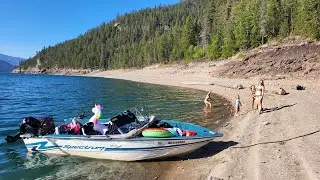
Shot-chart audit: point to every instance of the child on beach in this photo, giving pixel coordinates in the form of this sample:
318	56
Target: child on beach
237	105
252	96
206	100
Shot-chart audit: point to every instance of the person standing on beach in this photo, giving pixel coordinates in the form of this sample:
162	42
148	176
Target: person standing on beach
206	100
252	96
237	105
259	94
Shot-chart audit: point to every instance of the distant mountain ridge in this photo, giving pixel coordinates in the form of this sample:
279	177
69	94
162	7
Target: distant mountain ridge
14	61
5	67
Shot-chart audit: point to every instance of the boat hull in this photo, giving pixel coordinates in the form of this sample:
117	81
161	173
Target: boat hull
122	150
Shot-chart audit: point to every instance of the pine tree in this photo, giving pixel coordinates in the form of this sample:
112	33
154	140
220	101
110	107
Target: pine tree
198	53
102	63
213	51
187	37
263	21
242	35
307	18
274	17
229	43
287	17
176	53
188	55
253	20
165	47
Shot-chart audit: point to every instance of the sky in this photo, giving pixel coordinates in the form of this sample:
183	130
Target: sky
26	26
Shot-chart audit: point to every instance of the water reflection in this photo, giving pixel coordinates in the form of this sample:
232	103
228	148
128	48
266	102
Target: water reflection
207	115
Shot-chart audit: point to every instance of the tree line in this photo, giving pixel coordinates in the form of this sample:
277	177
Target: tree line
189	30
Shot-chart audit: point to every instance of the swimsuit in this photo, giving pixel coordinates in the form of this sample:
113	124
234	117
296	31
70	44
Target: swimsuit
258	97
253	92
258	94
238	103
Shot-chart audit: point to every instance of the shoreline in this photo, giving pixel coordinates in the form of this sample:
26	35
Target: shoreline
287	117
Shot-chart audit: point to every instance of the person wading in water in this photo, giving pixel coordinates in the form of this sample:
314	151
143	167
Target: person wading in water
206	100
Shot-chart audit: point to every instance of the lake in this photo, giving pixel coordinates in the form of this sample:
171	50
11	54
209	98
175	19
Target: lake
63	97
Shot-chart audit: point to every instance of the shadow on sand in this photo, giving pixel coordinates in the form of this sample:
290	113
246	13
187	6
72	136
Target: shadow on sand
208	150
281	142
267	110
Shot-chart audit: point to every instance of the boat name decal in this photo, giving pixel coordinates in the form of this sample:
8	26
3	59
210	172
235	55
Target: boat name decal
83	147
171	142
90	147
176	142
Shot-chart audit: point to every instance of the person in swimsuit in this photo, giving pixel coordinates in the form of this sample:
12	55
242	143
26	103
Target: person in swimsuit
74	126
237	105
71	128
252	96
206	100
259	94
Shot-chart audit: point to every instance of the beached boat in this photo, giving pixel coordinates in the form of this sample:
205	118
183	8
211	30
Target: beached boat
124	146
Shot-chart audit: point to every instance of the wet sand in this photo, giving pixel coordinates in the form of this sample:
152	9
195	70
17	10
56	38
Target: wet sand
281	143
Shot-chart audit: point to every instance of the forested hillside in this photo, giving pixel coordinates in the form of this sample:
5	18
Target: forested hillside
190	30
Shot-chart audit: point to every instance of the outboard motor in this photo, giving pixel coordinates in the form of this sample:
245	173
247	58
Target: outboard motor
30	125
35	126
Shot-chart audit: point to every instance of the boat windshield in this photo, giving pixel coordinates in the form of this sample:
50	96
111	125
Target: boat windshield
140	113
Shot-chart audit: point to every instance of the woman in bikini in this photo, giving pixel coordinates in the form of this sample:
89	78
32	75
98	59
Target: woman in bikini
259	94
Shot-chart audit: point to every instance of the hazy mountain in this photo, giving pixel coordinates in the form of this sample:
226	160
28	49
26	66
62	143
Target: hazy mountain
10	59
5	67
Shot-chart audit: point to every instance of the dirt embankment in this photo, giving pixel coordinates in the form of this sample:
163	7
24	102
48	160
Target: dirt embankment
298	60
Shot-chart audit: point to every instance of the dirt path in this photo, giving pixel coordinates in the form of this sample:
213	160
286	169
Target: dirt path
279	154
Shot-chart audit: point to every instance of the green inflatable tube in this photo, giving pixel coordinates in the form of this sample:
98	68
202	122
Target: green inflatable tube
156	132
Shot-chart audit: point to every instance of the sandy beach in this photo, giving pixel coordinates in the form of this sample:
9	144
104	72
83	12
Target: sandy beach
281	143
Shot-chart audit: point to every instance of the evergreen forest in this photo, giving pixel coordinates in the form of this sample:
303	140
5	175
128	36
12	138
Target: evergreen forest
189	30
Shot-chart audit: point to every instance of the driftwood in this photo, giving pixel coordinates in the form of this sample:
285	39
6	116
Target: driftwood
228	85
197	83
232	86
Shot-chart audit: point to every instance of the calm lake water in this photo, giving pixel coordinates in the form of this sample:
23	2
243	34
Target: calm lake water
64	97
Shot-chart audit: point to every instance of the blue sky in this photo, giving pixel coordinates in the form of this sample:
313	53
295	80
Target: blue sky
28	26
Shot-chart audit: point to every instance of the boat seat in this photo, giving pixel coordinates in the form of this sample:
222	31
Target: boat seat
121	120
87	129
124	118
124	125
135	132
